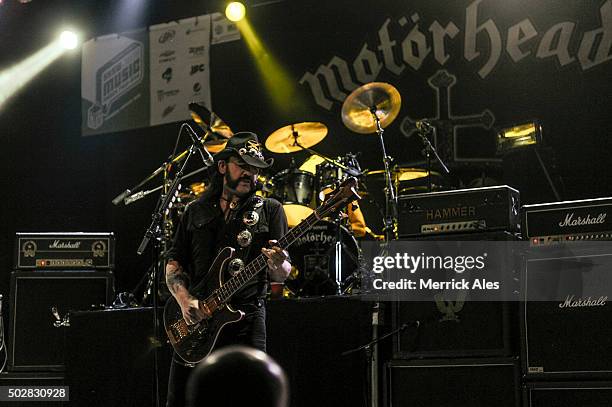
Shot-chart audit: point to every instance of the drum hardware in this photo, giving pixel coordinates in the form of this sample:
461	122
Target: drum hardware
367	110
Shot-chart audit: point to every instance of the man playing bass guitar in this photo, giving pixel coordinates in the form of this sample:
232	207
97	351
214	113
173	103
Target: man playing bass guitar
228	214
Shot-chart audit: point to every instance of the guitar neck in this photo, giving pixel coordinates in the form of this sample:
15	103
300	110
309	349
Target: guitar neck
231	286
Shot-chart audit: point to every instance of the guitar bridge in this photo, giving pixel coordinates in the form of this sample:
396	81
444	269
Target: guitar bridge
179	330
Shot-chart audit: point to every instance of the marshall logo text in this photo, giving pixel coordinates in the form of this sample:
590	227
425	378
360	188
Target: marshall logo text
572	302
58	244
580	221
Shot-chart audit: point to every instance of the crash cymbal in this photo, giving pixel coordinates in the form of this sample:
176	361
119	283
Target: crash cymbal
292	138
207	119
220	127
357	108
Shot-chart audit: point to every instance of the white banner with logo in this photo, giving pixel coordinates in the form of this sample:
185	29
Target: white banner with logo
180	68
142	79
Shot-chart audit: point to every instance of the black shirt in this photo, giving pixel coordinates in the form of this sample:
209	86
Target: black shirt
203	231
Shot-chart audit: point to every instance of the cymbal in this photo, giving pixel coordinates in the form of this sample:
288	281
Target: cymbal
214	146
219	126
286	139
404	174
203	117
310	165
357	108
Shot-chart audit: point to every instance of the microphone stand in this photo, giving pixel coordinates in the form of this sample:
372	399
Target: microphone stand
371	353
155	232
424	129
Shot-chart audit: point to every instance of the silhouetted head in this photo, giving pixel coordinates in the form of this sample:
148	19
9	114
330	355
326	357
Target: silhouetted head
238	376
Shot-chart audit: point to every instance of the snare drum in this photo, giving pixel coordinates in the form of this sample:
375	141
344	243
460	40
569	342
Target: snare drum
314	257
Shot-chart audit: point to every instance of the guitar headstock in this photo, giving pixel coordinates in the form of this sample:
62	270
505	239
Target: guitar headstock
339	198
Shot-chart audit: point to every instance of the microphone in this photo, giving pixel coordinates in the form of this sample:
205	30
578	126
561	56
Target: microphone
121	197
423	125
197	142
409	323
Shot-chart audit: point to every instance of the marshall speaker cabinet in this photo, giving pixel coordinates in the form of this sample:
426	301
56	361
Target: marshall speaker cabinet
483	382
567	394
40	304
566	313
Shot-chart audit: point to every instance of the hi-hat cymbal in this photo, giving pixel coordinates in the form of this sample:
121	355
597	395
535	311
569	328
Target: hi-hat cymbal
295	137
378	97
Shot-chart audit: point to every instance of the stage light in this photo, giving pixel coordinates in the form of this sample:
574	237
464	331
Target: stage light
518	136
69	40
235	11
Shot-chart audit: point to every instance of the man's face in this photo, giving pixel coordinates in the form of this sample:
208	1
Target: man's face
239	176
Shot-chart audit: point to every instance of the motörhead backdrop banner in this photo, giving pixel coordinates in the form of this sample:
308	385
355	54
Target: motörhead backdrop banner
471	67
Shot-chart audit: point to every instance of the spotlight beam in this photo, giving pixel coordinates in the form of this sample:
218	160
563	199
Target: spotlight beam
275	77
17	76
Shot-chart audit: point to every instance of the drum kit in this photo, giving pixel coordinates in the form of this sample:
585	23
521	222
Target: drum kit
326	259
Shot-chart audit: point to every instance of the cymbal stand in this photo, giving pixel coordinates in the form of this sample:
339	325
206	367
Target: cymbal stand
390	228
351	171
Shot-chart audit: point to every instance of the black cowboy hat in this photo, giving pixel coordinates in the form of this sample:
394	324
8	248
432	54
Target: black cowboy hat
245	145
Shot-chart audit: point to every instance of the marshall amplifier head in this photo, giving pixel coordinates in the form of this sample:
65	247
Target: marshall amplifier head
464	210
550	223
65	250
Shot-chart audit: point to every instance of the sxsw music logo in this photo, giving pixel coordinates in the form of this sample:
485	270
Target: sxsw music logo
114	80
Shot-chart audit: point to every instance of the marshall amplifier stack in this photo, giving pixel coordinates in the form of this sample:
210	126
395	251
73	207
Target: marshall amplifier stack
568	221
460	211
55	273
565	316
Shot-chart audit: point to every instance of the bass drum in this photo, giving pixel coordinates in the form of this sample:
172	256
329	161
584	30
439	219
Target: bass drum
314	257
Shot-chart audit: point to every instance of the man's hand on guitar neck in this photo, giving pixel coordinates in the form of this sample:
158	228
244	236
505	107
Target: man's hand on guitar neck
278	266
178	283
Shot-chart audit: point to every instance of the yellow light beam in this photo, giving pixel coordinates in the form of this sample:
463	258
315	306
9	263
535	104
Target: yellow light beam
17	76
276	79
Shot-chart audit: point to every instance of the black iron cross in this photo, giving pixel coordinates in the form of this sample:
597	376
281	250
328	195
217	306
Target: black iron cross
445	122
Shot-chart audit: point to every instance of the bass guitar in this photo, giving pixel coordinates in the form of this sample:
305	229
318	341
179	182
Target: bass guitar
194	342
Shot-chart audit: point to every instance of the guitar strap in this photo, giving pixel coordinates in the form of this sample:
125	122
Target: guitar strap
250	215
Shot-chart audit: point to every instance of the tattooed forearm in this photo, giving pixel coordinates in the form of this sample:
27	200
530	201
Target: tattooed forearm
175	277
